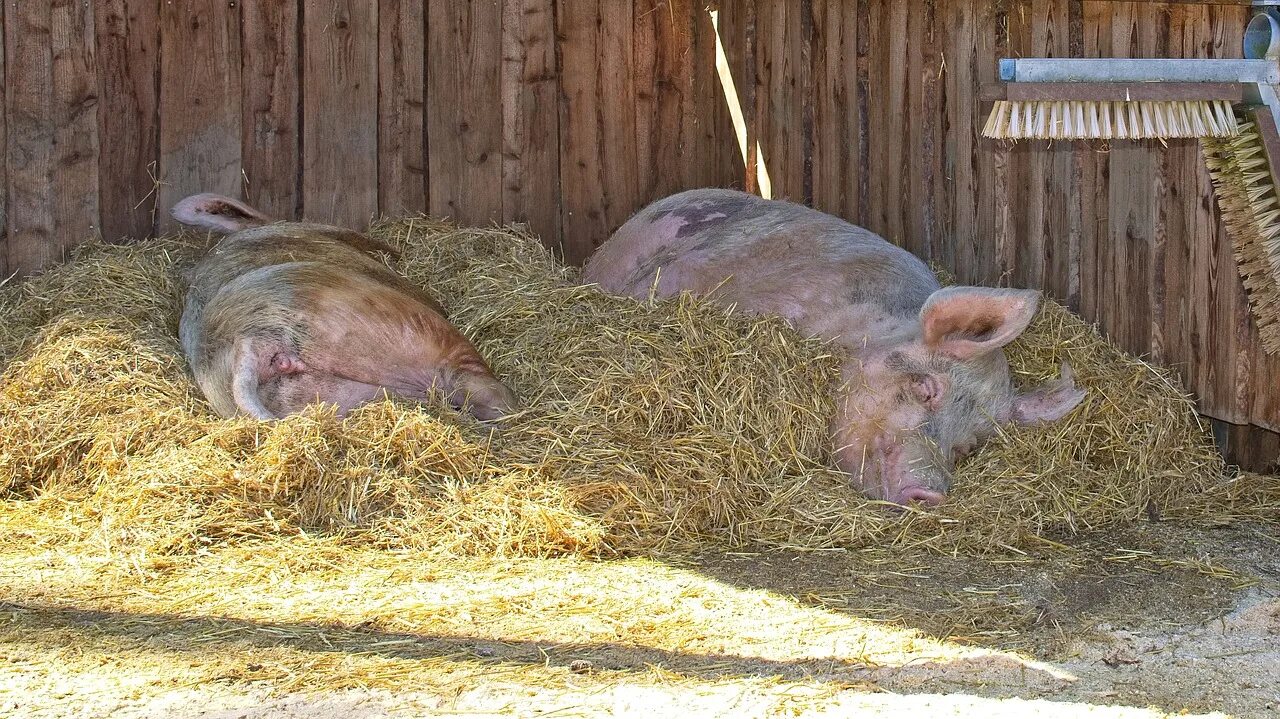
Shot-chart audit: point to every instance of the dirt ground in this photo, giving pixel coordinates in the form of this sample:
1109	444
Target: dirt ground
1114	629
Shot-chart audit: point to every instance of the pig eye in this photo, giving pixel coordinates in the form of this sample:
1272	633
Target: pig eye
928	390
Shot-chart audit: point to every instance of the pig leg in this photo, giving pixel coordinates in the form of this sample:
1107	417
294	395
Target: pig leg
284	395
257	361
366	331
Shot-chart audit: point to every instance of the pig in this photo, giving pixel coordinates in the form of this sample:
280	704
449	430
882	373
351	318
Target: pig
281	315
925	380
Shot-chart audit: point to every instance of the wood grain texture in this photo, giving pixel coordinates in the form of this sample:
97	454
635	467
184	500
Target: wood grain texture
964	118
465	123
663	72
127	33
531	118
52	131
736	19
271	142
340	111
599	174
782	81
4	159
717	161
1113	91
200	95
402	170
836	162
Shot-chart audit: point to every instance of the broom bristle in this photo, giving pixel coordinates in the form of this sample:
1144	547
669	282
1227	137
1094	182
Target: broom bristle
1077	120
1247	195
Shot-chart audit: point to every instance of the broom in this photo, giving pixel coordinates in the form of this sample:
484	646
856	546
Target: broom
1132	99
1246	192
1072	99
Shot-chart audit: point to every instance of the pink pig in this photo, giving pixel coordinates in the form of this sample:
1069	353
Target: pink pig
280	315
927	380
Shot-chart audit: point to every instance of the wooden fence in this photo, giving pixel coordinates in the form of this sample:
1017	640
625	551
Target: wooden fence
571	115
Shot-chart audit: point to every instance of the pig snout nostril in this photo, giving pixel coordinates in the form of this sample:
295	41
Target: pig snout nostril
920	495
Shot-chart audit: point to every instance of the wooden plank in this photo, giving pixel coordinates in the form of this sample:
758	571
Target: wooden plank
882	123
736	19
127	34
200	95
896	120
531	121
783	81
1252	376
1060	242
464	127
1111	91
939	197
712	157
402	174
861	100
52	97
583	191
617	103
1120	301
1212	308
340	111
271	141
964	147
1078	196
4	159
1026	175
1185	215
1163	219
663	70
712	119
836	122
995	228
1095	168
916	127
598	172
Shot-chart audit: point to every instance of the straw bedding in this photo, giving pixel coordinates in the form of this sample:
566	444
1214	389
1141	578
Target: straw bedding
650	427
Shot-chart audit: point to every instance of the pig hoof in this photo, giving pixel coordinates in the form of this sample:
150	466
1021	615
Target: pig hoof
927	497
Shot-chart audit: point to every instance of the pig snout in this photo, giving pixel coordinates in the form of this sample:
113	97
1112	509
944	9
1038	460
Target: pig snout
898	471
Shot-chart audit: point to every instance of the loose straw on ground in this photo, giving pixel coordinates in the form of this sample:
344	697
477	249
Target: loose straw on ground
650	428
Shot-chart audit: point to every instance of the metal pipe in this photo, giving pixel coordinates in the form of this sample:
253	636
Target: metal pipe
1262	36
1138	70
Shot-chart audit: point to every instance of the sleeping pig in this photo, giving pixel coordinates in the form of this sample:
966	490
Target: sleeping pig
925	377
282	315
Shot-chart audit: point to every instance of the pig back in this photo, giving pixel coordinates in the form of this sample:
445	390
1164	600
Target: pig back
824	275
256	248
275	244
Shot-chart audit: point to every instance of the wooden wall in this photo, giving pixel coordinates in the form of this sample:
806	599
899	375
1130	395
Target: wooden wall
562	115
571	115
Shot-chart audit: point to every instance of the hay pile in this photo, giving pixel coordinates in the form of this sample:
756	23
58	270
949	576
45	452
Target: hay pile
650	428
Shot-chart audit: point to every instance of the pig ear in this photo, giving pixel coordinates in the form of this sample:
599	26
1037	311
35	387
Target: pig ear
1049	402
966	322
217	213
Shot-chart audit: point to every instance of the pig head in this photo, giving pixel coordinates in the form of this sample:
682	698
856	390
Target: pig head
923	396
926	379
282	315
